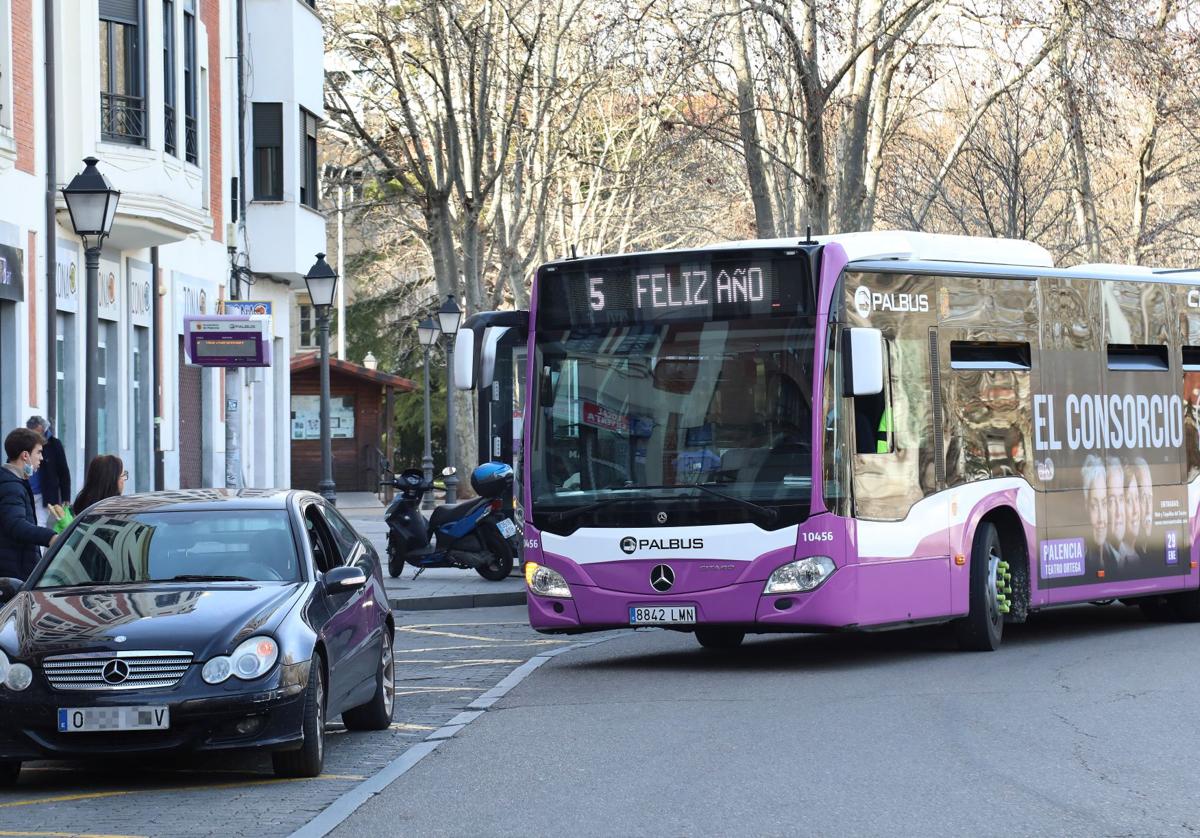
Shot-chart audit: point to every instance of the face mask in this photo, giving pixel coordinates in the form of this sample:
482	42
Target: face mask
27	469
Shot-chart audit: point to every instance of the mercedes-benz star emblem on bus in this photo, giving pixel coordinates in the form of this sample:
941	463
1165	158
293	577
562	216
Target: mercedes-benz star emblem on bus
662	517
662	578
629	545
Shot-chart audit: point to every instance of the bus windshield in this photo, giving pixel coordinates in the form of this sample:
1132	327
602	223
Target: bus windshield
711	420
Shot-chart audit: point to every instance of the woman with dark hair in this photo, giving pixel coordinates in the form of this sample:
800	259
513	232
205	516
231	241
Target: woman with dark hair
105	478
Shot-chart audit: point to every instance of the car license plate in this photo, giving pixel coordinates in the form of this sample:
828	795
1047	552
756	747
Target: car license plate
657	615
93	719
507	528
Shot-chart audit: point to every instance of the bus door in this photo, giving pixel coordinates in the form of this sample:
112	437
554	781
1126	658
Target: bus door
903	517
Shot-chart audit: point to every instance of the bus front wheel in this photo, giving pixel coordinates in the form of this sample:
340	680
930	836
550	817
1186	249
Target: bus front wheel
983	627
720	638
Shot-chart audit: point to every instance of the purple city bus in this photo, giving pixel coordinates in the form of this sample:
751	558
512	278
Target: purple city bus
862	431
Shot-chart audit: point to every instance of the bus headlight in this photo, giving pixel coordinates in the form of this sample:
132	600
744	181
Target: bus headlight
800	575
546	582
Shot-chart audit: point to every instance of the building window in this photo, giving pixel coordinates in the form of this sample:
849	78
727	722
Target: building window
169	76
191	145
268	151
308	157
308	327
122	101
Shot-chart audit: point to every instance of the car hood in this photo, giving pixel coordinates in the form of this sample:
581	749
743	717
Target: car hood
205	620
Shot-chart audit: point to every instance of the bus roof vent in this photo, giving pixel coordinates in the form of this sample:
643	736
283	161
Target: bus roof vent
938	247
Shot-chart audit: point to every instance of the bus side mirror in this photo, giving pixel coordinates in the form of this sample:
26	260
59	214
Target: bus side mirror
864	362
464	360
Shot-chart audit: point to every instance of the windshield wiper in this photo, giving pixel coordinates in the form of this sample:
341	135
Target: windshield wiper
568	514
768	514
200	577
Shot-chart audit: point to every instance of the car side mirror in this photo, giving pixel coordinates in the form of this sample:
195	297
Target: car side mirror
9	588
342	580
864	362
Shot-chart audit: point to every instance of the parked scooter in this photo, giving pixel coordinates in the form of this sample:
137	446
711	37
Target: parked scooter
474	534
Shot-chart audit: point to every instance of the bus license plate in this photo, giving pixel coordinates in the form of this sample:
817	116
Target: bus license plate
93	719
657	615
507	528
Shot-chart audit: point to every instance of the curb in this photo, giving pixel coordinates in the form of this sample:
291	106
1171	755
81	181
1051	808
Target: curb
456	601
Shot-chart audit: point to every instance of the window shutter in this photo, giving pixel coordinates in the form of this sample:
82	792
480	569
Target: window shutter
268	124
122	11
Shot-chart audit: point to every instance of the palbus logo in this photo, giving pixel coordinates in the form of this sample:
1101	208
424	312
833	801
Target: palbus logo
867	301
862	301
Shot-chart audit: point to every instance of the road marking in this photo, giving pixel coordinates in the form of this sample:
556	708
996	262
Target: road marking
63	835
99	795
350	802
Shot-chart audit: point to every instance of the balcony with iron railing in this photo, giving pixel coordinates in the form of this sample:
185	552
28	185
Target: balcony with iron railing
123	118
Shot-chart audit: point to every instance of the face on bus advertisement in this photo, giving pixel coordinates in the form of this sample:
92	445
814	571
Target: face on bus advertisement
1111	463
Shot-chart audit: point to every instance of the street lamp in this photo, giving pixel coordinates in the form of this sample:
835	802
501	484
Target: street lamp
449	316
427	333
322	282
92	203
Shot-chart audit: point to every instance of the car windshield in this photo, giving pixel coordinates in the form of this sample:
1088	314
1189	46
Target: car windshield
664	411
249	545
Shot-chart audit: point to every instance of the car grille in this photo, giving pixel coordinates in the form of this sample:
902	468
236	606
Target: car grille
142	670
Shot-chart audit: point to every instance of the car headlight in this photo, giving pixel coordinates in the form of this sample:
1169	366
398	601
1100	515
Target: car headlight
800	575
4	664
251	660
19	677
546	582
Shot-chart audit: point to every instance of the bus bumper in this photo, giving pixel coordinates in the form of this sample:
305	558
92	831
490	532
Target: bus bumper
829	607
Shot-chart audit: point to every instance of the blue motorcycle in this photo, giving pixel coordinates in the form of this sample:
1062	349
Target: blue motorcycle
473	535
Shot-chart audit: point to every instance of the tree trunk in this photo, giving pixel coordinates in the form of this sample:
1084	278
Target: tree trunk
747	104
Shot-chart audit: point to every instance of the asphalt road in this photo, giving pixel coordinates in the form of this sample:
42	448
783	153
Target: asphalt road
444	661
1085	723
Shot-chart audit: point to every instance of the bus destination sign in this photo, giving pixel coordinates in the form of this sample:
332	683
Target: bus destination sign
635	289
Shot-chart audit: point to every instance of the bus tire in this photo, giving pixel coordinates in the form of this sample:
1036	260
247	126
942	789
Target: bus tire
721	639
983	627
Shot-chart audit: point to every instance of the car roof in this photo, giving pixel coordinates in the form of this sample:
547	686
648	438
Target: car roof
198	500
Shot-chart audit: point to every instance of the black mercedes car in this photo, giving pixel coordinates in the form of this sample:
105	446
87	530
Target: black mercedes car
196	621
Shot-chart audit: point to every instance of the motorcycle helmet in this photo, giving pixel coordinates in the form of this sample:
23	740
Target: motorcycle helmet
491	480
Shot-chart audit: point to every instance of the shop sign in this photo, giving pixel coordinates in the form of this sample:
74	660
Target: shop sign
12	277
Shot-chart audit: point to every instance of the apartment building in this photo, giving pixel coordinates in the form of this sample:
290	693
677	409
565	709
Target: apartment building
204	114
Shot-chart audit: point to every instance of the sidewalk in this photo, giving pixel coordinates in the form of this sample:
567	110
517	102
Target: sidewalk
437	588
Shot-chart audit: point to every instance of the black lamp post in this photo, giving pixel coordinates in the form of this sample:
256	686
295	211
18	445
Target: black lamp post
92	203
427	333
449	316
322	282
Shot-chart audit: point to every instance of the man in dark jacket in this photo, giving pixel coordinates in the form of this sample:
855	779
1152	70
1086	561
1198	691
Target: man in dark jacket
52	482
20	536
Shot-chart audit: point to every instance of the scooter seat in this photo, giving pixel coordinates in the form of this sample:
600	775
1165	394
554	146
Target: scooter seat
449	513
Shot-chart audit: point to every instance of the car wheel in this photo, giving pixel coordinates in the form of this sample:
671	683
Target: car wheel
721	639
309	758
501	565
1185	606
376	714
983	627
10	770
